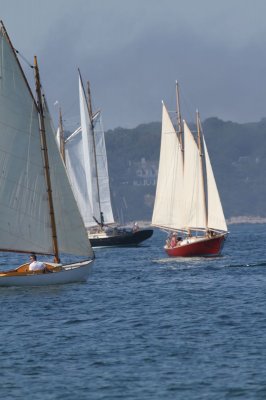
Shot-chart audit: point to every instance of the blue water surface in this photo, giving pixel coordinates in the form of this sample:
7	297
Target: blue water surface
143	327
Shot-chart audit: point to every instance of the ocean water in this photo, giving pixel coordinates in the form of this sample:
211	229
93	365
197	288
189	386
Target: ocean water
143	327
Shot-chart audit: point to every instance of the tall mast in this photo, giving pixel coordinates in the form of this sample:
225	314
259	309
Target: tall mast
94	146
46	160
61	136
89	105
178	116
201	165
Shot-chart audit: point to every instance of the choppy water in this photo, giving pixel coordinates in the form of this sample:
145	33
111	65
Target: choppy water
143	327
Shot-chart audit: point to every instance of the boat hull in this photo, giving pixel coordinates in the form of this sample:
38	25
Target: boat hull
78	272
204	247
121	238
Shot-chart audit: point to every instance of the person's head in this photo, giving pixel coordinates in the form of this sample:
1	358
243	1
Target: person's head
33	257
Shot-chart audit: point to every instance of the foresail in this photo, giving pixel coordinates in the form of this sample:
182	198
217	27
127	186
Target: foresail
89	156
168	206
195	210
74	155
24	213
71	234
216	219
102	169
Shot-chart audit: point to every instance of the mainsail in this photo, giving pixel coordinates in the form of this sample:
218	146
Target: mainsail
24	210
87	167
169	200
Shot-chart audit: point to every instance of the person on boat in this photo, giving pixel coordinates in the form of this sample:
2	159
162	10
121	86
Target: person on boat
173	240
36	265
102	220
135	227
168	242
210	233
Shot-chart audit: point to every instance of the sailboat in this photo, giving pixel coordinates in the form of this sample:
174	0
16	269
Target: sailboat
187	202
38	211
86	163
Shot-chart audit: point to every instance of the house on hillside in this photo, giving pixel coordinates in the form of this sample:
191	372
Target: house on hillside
145	173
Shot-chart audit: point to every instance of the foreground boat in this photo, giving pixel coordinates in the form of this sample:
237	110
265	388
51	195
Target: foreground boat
187	202
38	211
86	161
59	274
197	246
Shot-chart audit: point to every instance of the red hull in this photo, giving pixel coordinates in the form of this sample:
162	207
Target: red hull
202	247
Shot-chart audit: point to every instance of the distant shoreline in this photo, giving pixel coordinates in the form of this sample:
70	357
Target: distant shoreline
242	219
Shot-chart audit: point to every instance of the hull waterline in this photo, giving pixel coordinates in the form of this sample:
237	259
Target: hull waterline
71	273
121	239
198	247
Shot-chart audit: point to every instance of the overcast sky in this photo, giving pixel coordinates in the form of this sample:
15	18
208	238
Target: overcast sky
133	51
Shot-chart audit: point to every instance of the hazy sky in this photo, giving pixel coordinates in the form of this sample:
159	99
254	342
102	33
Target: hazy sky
133	51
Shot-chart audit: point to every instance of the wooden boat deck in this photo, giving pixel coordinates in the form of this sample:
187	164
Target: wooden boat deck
24	270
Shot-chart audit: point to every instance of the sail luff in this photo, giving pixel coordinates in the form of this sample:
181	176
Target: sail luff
179	119
61	136
46	162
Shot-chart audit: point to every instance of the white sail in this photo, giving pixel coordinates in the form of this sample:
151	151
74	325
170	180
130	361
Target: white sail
86	162
216	219
24	213
24	209
195	209
70	229
89	156
102	170
74	155
58	137
168	206
75	163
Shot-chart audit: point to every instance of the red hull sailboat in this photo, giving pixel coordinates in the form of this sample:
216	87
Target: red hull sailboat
187	202
201	246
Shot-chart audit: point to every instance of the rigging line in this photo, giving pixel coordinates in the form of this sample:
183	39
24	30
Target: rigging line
24	59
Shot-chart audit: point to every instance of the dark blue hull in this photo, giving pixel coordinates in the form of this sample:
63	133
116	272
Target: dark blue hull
123	238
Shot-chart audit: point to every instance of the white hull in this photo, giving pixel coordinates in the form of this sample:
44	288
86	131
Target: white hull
78	272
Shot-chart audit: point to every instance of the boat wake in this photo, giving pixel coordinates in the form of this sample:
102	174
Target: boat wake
249	265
